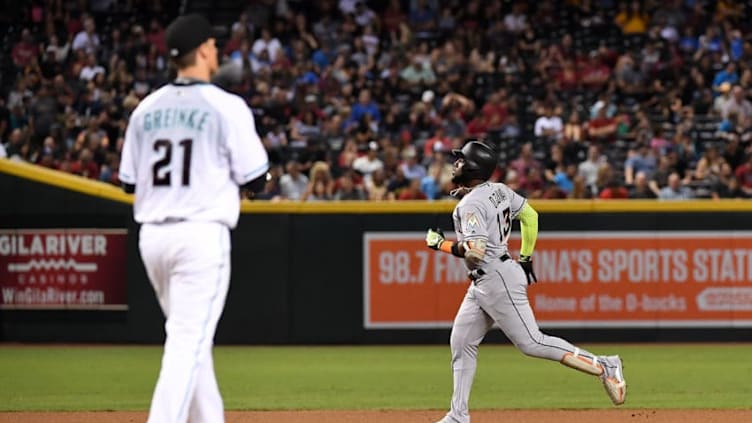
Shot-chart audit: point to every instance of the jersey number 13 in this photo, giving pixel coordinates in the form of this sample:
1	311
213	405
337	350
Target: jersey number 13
162	176
505	224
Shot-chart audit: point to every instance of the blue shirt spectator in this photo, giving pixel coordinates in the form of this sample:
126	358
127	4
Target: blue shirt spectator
365	106
728	74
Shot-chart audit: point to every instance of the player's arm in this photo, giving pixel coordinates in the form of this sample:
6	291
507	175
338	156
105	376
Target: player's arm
127	170
472	250
528	218
247	153
475	235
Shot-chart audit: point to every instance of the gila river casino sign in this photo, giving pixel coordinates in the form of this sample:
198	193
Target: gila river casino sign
65	269
586	279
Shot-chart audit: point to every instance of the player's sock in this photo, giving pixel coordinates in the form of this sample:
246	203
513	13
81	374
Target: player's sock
583	361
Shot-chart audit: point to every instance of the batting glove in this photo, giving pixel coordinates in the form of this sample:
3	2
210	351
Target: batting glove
434	238
526	262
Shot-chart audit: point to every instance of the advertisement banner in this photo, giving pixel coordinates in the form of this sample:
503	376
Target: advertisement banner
586	279
63	269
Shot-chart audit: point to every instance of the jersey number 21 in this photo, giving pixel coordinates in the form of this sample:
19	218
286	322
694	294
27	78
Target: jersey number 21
162	176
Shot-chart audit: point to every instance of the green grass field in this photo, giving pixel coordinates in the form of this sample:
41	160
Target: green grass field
265	378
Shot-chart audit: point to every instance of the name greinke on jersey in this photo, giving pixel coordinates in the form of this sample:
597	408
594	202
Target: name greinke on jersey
175	118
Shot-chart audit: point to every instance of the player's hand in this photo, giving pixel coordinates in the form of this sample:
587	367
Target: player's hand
526	262
434	238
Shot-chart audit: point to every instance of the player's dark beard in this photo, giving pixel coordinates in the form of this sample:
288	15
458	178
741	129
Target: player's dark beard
458	179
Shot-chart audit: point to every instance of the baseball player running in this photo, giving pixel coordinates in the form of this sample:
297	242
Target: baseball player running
498	293
188	148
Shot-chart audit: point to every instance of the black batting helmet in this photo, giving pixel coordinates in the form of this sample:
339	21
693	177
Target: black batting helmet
480	161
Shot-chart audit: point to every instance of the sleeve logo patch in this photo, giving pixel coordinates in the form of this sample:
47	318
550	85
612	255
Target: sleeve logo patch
471	222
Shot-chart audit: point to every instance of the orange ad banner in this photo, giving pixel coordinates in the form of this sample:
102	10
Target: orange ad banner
586	279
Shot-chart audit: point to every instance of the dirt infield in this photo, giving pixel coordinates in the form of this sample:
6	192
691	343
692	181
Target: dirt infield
392	416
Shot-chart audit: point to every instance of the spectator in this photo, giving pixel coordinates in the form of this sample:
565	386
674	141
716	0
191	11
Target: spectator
516	21
595	74
744	176
588	169
730	189
524	164
728	74
87	39
412	192
422	16
549	126
293	184
320	184
709	167
43	113
267	43
554	163
737	104
614	190
495	110
439	142
438	180
410	167
632	20
392	16
85	165
640	189
376	186
722	102
602	128
347	189
368	164
365	106
24	51
641	160
675	190
659	178
580	191
416	73
564	178
91	70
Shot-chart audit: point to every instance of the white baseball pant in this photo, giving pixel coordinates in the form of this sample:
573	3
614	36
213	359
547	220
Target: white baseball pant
188	264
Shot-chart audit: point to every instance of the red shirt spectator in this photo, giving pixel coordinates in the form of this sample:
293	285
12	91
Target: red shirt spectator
594	74
393	16
525	163
614	191
567	78
156	37
495	111
85	166
444	143
412	192
602	127
477	127
744	175
24	51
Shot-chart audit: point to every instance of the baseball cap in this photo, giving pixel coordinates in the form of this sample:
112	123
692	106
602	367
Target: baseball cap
186	33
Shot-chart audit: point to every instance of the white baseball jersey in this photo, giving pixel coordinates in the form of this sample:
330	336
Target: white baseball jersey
187	149
486	213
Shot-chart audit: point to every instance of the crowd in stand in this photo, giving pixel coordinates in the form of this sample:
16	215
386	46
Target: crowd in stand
359	100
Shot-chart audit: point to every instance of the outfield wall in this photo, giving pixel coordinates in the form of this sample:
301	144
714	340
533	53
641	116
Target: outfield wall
358	273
